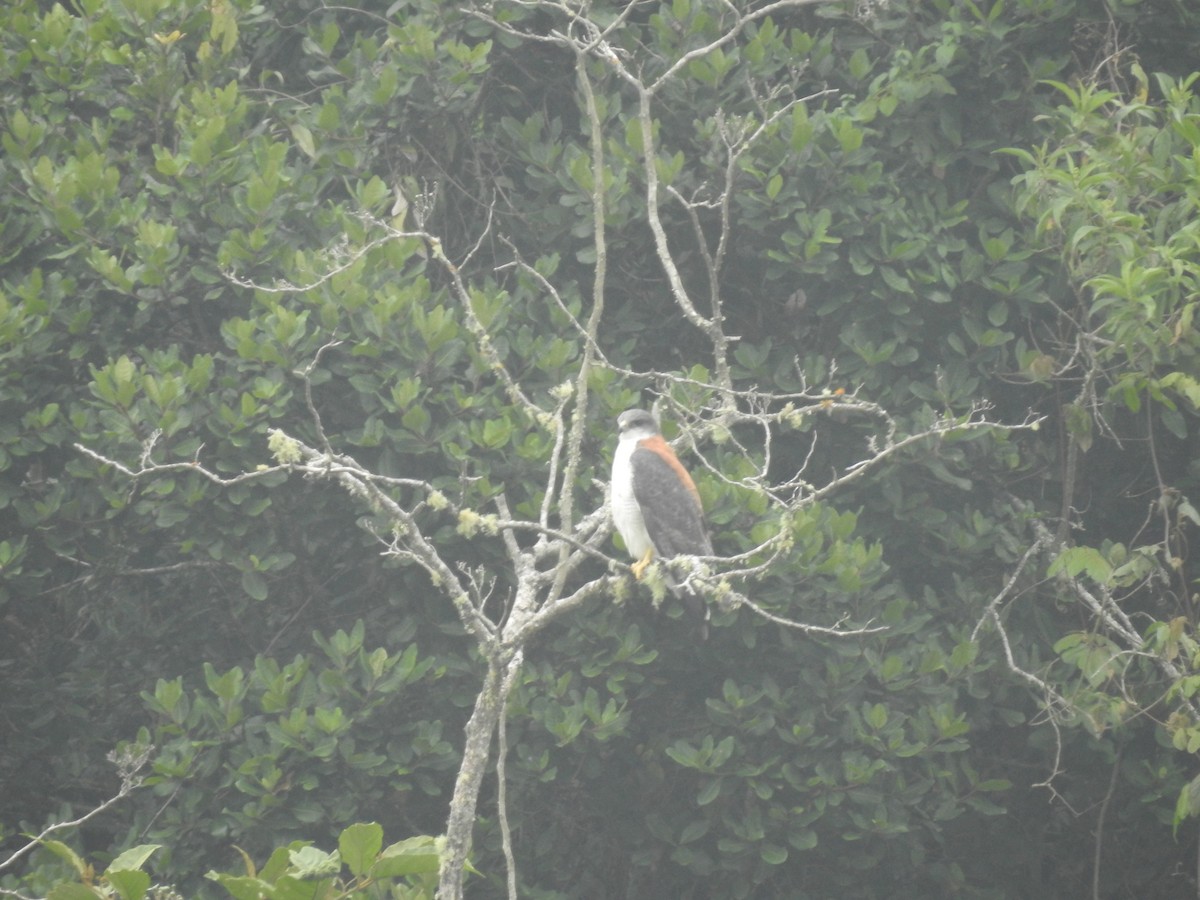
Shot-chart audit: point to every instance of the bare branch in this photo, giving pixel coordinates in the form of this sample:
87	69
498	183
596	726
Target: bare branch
743	19
306	375
129	765
989	612
510	860
171	468
566	504
830	631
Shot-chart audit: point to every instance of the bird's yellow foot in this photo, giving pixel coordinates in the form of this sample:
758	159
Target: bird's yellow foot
639	568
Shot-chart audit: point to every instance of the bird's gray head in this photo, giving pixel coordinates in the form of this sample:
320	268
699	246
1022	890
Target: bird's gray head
638	422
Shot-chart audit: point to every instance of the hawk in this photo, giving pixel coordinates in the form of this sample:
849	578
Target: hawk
655	505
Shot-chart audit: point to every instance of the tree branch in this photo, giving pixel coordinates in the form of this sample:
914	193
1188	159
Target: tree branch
129	764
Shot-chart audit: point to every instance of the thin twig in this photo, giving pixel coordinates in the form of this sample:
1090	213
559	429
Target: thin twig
130	781
835	631
510	861
1098	851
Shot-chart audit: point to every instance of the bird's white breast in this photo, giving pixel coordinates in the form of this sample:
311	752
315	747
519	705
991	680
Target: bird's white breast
627	514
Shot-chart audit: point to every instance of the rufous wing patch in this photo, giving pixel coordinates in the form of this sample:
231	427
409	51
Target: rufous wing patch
657	445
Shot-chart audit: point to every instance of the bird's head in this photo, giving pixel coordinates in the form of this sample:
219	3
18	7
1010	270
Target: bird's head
636	425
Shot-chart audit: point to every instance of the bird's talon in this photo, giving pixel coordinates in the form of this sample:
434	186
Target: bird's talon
639	568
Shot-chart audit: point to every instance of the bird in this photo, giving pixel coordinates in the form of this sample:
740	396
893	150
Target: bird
655	504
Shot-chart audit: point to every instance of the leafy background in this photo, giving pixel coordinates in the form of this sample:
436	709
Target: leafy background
978	202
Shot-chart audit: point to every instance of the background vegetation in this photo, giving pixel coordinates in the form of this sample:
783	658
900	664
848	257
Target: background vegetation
430	225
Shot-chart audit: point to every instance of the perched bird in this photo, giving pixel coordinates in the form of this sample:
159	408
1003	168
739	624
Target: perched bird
655	505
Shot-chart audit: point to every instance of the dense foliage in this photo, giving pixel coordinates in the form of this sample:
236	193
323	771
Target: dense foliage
379	228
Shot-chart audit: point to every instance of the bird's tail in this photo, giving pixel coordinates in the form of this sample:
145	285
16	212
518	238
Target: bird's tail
694	604
696	610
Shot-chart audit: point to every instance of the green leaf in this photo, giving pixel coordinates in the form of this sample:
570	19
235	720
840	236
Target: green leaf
684	754
994	784
1187	804
359	844
709	792
859	65
1184	384
73	890
259	194
722	752
123	371
310	862
877	716
414	856
416	419
289	887
802	128
255	585
304	140
278	862
133	859
496	433
1082	560
804	840
62	851
773	855
962	655
131	884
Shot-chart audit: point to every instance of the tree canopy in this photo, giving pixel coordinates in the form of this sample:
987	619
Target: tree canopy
315	323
